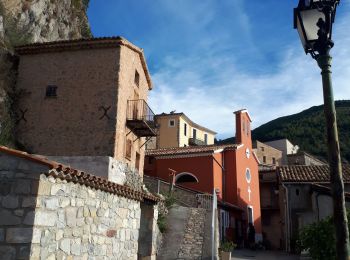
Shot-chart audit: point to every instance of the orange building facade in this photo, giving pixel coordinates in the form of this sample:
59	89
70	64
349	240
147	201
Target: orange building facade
232	170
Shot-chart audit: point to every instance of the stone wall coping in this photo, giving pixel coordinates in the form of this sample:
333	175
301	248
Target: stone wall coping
73	175
90	43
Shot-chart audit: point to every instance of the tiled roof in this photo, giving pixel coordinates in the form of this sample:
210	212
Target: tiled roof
89	43
190	150
30	157
302	173
72	175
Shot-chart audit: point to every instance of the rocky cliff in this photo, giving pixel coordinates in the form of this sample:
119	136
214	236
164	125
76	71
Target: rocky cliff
29	21
26	21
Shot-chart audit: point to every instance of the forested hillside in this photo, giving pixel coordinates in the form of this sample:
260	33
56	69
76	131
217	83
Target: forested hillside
307	129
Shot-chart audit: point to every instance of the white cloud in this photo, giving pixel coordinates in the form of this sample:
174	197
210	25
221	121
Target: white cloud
209	88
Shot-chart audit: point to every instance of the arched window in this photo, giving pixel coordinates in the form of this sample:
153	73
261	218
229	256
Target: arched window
185	177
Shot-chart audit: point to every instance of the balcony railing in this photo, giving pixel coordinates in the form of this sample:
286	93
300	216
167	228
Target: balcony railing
196	141
140	118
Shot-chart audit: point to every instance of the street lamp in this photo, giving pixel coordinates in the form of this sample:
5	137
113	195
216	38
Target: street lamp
314	21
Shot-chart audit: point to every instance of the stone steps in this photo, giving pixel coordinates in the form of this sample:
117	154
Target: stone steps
184	237
176	224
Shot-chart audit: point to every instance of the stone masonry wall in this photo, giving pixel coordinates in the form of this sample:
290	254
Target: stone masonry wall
46	218
192	243
73	123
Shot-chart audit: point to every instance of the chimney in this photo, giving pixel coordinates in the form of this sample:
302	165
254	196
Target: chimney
243	128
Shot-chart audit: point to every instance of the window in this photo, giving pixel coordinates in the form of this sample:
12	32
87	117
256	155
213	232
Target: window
137	78
250	214
248	175
51	91
248	125
128	148
273	160
205	138
137	161
185	129
262	149
171	122
194	133
264	159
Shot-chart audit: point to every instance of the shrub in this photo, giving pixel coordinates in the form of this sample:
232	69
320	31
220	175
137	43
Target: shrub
169	200
319	239
227	246
162	225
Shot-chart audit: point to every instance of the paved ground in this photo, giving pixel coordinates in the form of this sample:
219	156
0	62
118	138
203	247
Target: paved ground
262	255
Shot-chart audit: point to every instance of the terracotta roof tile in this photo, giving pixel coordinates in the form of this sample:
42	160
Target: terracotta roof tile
73	175
190	150
30	157
313	173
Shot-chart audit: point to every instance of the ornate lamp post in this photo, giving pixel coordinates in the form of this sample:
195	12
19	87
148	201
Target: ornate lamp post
314	20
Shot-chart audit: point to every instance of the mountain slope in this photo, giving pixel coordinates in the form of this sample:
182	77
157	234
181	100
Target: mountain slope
307	129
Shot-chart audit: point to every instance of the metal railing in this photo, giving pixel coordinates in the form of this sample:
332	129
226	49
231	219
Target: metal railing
204	201
139	110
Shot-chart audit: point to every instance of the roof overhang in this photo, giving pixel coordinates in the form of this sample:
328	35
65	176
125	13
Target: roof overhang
92	43
243	111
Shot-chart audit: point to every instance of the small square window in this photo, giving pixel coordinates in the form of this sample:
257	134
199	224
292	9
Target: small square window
264	159
262	149
51	91
137	78
273	160
172	122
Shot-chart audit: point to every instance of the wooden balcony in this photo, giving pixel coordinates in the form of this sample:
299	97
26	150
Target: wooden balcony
140	118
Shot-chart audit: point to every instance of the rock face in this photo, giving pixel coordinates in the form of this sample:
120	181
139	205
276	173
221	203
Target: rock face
30	21
27	21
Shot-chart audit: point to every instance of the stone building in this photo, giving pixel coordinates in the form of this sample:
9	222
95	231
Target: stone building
84	98
266	154
305	197
285	146
50	211
303	158
292	197
177	130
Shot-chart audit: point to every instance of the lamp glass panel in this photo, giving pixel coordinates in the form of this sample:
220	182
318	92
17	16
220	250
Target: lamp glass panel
301	33
309	18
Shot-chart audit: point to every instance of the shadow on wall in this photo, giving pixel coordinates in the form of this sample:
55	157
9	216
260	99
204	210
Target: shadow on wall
19	188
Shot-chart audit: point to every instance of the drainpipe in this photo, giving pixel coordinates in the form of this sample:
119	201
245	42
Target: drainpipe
223	174
318	206
286	212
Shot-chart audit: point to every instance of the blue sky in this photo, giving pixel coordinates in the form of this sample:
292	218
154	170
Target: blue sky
208	58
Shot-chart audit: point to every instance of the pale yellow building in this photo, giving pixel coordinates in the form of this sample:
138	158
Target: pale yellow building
177	130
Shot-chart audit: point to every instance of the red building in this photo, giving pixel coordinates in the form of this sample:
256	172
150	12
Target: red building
230	169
